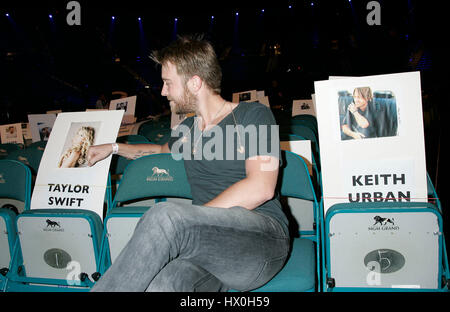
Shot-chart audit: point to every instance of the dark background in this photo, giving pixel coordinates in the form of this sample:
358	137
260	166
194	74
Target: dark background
46	64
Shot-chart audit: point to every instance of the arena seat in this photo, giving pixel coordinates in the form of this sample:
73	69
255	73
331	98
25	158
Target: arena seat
306	120
160	175
15	183
59	248
6	148
15	187
29	156
8	236
156	176
302	269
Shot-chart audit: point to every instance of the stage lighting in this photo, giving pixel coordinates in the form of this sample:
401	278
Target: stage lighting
113	18
7	14
139	19
176	19
50	16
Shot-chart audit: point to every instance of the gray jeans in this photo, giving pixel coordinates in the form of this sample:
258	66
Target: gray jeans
184	247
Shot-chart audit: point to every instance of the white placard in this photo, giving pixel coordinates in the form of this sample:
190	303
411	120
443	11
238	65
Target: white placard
245	96
26	131
264	100
55	111
41	126
96	109
251	96
303	107
64	180
127	104
126	130
11	133
388	161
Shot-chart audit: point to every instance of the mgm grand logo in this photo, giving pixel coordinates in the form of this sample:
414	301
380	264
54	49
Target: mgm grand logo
52	226
383	224
159	175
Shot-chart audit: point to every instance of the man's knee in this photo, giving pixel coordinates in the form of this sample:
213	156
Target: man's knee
182	275
162	212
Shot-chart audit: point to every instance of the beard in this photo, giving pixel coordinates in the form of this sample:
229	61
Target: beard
186	104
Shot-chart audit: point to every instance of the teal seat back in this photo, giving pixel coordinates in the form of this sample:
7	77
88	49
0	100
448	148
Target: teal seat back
300	272
132	139
7	148
306	120
146	126
118	164
15	181
40	145
295	179
157	175
305	132
8	235
315	162
159	136
29	156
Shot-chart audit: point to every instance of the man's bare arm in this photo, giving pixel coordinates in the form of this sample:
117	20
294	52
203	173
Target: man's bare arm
254	190
131	151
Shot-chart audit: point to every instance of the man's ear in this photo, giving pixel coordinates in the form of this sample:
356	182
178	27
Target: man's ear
194	84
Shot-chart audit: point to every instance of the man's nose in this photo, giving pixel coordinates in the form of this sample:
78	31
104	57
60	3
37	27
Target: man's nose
164	91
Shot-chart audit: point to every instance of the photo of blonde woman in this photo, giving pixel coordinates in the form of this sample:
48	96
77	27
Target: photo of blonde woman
75	155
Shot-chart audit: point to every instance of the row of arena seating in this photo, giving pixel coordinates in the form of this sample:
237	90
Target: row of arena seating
69	249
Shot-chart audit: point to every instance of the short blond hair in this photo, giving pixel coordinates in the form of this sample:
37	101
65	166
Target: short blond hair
192	55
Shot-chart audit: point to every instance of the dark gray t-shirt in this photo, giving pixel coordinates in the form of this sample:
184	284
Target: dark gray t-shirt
350	120
220	152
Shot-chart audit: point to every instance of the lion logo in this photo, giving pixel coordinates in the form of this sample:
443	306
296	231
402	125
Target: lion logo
159	172
52	223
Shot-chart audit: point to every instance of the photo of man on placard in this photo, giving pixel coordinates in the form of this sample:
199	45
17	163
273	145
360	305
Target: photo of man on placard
11	132
365	115
44	131
122	105
244	97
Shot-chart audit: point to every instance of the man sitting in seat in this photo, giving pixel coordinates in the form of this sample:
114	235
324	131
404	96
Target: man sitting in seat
234	234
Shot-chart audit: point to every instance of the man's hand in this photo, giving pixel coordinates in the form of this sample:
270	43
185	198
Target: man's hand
98	152
358	135
352	108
